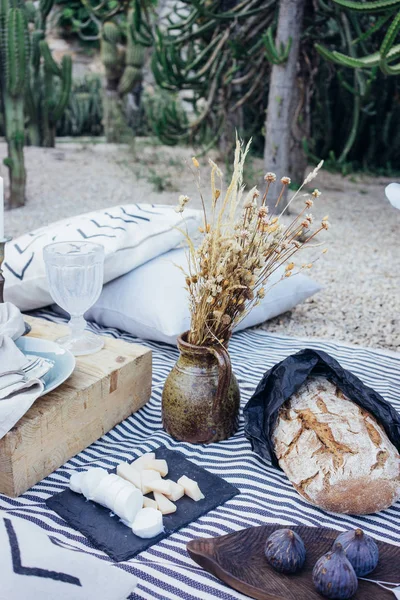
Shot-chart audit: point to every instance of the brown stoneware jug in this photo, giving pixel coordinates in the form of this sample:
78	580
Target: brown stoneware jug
201	398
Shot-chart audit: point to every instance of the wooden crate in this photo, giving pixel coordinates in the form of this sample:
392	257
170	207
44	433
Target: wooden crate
104	389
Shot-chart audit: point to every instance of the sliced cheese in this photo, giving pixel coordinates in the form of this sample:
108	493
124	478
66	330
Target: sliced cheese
141	463
159	465
165	506
176	492
160	485
107	490
148	523
127	503
149	503
128	472
191	488
90	480
75	482
147	477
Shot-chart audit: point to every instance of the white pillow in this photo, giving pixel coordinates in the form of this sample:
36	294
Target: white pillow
131	235
151	302
392	192
50	565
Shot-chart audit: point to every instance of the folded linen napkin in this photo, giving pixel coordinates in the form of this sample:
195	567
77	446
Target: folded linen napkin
34	565
20	385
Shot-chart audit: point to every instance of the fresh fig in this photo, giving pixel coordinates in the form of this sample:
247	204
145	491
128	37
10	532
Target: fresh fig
360	549
285	551
334	576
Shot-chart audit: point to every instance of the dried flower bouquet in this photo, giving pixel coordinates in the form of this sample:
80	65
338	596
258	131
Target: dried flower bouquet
243	243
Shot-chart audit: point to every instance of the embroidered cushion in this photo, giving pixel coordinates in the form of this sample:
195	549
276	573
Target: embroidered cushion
42	565
131	235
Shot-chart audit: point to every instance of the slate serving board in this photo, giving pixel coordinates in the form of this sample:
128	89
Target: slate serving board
238	560
114	538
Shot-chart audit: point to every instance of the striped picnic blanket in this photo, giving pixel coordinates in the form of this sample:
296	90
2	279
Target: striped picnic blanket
165	571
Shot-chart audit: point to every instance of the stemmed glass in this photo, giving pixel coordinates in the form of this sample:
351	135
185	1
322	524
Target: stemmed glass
75	275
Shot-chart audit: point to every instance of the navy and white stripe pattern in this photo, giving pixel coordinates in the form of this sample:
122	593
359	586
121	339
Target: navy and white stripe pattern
165	571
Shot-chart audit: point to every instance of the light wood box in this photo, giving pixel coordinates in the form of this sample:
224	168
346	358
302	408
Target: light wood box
104	389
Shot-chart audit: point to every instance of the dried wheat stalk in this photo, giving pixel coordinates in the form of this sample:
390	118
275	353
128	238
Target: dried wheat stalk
242	245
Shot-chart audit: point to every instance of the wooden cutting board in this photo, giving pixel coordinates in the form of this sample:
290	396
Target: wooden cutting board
238	560
104	389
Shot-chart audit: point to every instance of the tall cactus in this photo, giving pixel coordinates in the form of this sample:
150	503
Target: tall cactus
14	56
49	84
124	71
122	51
54	98
134	61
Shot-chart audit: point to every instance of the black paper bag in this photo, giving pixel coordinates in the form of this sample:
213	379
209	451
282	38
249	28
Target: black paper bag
285	378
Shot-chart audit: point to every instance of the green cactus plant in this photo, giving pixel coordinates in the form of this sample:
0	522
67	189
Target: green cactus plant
84	112
134	60
49	84
220	51
55	97
34	89
14	57
124	72
215	56
388	51
365	67
166	117
276	56
123	37
367	7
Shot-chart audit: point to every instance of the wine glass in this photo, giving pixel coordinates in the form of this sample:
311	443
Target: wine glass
75	274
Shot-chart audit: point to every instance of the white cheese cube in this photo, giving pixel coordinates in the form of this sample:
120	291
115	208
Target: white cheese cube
128	472
147	477
148	523
141	463
127	503
165	506
159	465
176	492
161	486
149	503
191	488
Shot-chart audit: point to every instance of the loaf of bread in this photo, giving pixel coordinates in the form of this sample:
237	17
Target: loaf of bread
335	453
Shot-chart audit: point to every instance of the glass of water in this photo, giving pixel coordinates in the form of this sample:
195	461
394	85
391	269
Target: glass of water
75	275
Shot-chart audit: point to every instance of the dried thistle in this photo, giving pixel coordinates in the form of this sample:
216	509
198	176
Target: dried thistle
242	245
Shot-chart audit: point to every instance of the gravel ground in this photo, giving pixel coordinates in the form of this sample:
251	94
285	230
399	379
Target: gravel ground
360	301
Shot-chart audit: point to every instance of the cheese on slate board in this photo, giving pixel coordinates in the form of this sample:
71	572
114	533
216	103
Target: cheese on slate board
114	538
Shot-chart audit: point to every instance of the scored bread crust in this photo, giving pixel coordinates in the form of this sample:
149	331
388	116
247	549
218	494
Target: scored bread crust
334	452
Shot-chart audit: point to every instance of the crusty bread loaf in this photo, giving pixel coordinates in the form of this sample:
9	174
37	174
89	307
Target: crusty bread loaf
335	453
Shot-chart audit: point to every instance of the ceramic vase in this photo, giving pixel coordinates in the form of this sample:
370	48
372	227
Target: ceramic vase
201	398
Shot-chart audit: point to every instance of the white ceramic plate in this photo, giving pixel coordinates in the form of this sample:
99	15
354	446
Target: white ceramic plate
64	361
